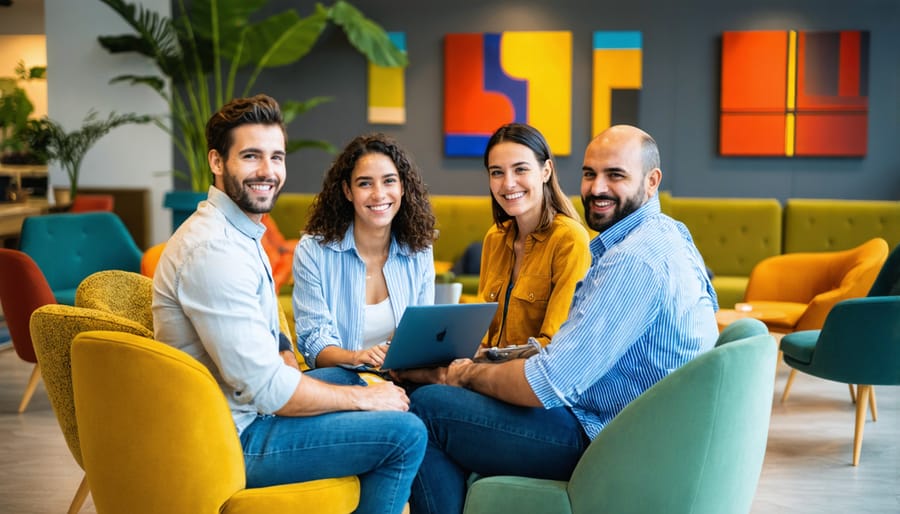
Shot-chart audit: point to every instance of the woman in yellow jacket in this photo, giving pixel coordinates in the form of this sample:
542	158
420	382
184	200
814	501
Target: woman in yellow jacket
537	249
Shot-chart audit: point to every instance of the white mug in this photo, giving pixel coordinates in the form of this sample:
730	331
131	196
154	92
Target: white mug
447	293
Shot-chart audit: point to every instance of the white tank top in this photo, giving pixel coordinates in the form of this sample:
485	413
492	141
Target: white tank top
379	323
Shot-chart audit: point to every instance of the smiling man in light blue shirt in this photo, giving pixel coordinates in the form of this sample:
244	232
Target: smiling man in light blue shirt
645	307
214	298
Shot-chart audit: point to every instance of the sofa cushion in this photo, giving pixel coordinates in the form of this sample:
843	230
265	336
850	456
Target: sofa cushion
831	225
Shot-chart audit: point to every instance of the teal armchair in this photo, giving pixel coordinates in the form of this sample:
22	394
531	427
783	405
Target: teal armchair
692	443
69	247
859	344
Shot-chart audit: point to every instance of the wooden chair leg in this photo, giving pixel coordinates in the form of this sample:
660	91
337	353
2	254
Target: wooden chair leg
787	385
862	402
852	393
872	405
80	496
29	389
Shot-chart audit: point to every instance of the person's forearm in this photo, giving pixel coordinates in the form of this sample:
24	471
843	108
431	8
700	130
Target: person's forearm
504	381
313	397
332	356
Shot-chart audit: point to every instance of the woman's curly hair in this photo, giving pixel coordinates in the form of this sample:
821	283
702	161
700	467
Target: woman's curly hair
331	212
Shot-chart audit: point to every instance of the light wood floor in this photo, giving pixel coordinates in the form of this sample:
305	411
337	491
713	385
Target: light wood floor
807	467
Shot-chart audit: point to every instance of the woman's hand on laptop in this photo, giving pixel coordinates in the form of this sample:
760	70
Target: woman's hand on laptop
372	356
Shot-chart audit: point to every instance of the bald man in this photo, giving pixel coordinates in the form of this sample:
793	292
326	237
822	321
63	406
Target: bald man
645	307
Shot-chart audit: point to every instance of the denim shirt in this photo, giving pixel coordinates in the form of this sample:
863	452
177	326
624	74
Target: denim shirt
330	290
214	298
645	307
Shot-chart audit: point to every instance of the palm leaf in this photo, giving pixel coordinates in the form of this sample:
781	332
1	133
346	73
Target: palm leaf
282	39
293	108
367	37
301	144
157	83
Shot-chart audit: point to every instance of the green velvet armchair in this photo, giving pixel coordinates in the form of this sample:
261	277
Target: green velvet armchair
692	443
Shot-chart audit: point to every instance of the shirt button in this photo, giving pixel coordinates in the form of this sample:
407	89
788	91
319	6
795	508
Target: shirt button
493	295
531	297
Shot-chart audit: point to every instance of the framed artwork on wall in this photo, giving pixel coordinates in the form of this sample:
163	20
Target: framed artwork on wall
794	93
616	91
495	78
387	89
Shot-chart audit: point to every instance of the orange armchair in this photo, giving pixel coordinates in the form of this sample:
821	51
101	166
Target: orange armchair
795	291
280	252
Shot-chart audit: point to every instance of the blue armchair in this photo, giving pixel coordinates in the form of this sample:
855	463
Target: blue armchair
69	247
694	442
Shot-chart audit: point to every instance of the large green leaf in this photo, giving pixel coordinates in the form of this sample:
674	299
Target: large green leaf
290	109
156	36
157	83
233	15
282	39
366	36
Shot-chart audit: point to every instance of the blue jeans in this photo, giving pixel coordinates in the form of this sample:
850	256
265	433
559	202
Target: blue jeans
383	449
470	432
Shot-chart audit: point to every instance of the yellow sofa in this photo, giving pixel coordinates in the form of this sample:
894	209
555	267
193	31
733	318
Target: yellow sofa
732	234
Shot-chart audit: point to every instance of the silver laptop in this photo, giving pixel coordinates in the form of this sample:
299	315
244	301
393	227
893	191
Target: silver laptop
435	335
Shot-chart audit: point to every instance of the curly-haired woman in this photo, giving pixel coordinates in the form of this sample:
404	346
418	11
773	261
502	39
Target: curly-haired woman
365	256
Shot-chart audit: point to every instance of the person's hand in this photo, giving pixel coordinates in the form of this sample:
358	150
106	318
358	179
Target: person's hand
290	359
382	396
373	356
457	372
420	375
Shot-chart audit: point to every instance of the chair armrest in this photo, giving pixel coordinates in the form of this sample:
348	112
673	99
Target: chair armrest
517	494
329	496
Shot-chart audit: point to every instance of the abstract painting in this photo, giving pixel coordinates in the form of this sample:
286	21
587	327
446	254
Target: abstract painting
794	93
387	89
495	78
616	91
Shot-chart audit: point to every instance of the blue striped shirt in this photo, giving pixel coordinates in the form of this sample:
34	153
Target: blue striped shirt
645	307
330	290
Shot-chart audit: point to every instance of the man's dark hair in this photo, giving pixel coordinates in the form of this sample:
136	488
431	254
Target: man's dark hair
259	109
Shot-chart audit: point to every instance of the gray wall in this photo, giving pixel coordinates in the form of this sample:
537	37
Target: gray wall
678	105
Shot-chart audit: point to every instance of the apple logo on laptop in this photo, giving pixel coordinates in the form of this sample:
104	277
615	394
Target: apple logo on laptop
439	337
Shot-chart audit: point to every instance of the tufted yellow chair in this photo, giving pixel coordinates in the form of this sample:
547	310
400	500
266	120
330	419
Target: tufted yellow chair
157	436
53	327
123	293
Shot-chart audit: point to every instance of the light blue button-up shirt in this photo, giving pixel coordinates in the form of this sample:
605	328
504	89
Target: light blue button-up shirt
214	298
645	307
330	290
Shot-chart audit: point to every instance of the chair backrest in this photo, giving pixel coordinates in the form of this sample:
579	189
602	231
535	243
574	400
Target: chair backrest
694	442
23	289
860	342
742	329
186	458
151	259
887	283
69	247
53	328
118	292
88	203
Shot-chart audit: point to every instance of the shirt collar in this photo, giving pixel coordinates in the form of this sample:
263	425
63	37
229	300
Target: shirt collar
616	233
238	218
349	243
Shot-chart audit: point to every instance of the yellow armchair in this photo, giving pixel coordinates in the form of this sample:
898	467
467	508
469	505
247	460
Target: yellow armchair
795	291
157	436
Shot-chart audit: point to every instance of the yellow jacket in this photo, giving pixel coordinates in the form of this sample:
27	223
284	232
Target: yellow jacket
555	260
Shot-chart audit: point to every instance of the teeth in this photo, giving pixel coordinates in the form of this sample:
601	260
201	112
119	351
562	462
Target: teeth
261	187
379	208
603	203
514	196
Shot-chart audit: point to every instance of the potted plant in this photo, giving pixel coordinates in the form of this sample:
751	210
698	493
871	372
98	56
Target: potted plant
200	52
70	147
15	110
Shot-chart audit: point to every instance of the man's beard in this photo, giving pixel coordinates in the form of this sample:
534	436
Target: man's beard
621	210
241	196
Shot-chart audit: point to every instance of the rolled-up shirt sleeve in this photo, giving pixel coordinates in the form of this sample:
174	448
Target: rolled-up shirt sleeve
232	328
